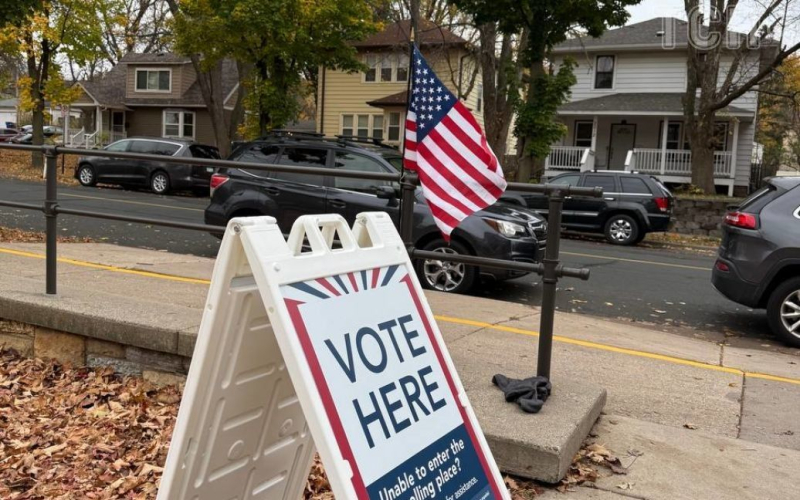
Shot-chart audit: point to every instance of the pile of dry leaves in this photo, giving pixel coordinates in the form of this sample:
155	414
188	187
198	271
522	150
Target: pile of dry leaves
8	234
17	165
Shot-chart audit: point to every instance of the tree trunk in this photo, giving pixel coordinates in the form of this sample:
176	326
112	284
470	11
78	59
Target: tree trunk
498	110
527	164
701	139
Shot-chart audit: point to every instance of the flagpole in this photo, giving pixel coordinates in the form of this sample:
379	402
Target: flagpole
409	180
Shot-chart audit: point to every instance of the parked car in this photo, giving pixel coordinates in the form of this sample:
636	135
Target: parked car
632	205
759	258
7	133
160	177
27	138
500	231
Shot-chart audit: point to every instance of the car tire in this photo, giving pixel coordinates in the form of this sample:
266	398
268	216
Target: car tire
86	175
159	182
783	303
622	229
442	276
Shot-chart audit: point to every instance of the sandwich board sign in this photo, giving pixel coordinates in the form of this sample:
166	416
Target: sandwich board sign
332	350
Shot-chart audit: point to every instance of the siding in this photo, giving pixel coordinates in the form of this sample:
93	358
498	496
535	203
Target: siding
149	122
650	72
177	87
346	93
84	98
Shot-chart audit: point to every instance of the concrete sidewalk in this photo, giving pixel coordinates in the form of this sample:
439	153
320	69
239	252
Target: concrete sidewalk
711	421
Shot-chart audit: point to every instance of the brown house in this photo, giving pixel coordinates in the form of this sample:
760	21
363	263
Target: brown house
154	95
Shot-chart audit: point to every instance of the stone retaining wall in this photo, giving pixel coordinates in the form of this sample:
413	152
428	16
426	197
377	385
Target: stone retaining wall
701	217
158	367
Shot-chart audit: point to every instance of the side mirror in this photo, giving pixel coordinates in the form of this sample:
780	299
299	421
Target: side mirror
385	192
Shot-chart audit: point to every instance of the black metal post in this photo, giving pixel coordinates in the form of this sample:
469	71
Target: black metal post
550	280
51	230
408	185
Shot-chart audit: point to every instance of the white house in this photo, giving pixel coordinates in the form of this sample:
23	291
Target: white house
626	110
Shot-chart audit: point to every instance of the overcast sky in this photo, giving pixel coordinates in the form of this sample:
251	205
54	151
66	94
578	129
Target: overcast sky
744	17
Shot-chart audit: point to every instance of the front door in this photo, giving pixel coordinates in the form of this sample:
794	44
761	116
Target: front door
623	136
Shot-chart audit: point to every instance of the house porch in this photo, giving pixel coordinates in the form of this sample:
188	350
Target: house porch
99	126
652	144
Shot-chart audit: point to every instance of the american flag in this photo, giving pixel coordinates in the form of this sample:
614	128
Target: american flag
445	145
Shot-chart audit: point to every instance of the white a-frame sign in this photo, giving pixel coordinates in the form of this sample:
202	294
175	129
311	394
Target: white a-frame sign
333	349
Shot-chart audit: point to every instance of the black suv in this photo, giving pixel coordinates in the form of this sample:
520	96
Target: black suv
500	231
161	177
759	257
632	205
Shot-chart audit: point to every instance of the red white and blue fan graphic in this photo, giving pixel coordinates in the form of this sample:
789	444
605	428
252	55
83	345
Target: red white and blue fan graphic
389	396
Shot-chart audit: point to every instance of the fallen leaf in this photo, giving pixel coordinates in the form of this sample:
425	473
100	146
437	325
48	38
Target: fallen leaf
690	426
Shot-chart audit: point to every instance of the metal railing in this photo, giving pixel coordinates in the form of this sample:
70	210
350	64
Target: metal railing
549	268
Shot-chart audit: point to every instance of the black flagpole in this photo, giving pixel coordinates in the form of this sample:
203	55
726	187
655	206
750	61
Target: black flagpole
408	183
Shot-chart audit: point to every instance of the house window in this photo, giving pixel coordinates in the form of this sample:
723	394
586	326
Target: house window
377	126
394	127
583	134
604	72
673	135
153	80
479	103
363	126
179	124
386	68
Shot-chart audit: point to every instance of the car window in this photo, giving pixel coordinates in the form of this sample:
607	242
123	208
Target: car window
566	180
201	151
759	199
120	146
154	148
634	185
257	153
604	181
302	157
350	161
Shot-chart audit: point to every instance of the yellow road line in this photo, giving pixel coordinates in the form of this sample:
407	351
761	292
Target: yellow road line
104	267
130	202
454	320
635	261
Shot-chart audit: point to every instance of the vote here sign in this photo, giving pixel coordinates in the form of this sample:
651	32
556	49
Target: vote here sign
382	377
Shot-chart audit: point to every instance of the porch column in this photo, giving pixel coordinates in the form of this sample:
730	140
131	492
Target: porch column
98	126
664	134
735	149
590	161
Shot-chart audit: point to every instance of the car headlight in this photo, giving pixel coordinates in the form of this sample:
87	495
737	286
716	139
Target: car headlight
506	228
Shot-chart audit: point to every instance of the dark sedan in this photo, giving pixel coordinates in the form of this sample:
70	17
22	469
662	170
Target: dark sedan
160	177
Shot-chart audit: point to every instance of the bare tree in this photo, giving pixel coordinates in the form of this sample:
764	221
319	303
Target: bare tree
722	67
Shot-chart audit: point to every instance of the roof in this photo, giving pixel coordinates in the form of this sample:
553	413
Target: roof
109	90
154	58
674	33
398	99
396	35
645	103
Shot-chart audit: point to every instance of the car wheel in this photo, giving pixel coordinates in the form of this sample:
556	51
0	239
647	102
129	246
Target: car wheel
86	175
783	311
444	276
159	183
622	230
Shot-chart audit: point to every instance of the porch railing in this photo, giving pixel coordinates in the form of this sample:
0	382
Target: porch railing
78	139
566	158
676	162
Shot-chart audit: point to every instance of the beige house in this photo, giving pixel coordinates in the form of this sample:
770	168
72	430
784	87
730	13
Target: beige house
154	95
373	103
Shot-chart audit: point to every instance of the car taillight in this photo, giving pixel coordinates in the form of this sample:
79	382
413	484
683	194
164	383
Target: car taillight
721	266
663	204
742	220
217	180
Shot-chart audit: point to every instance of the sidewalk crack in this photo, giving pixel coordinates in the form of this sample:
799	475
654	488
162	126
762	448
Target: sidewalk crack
741	407
617	492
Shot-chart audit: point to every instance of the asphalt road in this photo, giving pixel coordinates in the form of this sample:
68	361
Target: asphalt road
667	288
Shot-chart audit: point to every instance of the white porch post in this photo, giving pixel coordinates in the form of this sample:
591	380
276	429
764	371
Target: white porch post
735	147
590	161
98	127
664	134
